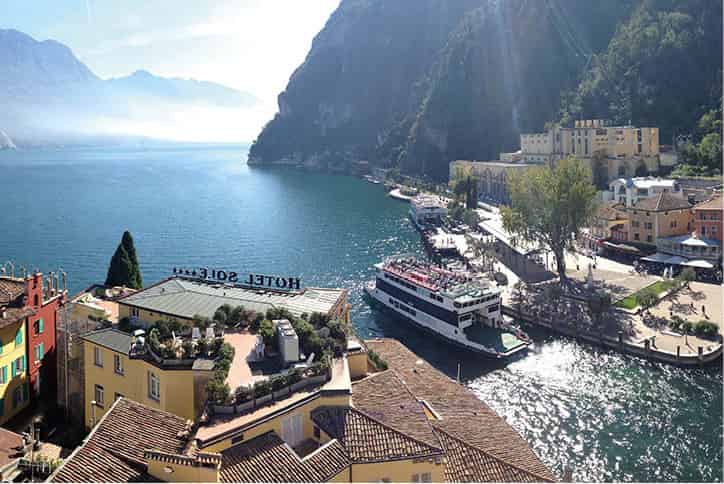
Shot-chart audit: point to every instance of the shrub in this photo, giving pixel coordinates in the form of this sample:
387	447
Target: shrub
221	315
318	320
278	382
202	346
188	349
217	391
676	322
294	376
266	331
168	353
279	313
706	328
687	326
686	276
201	322
262	388
646	298
244	394
256	321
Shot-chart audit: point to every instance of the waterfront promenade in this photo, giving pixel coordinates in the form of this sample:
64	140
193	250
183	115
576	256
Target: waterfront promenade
640	332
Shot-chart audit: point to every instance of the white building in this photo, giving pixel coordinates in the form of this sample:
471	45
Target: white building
628	191
427	209
288	341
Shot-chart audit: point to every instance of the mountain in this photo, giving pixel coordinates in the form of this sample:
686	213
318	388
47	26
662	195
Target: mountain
5	142
418	83
144	84
48	96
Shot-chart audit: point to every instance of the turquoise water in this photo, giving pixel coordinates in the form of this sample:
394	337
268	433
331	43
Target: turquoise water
606	416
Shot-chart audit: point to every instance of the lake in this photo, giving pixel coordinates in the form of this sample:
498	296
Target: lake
601	414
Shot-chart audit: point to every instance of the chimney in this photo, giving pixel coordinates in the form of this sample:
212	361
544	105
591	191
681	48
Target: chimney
3	312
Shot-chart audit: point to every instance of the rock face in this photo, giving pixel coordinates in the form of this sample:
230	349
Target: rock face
418	83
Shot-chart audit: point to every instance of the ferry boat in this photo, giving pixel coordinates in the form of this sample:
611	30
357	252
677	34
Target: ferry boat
456	306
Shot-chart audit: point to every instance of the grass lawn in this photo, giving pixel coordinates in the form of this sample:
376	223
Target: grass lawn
658	287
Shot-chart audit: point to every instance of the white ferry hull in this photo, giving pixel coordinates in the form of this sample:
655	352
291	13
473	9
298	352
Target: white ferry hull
438	328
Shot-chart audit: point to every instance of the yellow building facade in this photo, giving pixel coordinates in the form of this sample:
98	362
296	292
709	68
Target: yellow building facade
14	390
110	373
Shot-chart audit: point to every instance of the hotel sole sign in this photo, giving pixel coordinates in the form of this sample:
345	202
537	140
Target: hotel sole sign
233	277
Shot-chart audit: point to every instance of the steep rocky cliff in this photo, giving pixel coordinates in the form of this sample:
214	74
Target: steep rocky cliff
417	83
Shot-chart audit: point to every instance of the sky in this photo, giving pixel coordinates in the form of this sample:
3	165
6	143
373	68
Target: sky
250	45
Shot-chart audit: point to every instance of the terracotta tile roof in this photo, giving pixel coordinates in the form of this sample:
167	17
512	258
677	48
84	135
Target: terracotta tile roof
663	202
268	458
366	439
467	463
464	416
386	398
10	442
114	450
713	204
609	211
329	460
13	315
10	290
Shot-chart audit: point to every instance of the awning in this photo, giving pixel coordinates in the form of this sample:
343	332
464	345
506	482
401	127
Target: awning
657	257
676	260
701	264
622	247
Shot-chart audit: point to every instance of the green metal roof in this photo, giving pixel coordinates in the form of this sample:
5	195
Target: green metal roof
110	338
186	298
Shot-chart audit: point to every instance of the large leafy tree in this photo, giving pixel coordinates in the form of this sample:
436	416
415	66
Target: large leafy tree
550	206
124	269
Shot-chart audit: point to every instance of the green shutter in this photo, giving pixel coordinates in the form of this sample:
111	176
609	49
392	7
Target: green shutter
40	326
2	407
4	374
25	392
25	363
1	347
13	371
19	337
41	351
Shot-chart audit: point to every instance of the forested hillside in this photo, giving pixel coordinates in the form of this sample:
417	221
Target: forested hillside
417	83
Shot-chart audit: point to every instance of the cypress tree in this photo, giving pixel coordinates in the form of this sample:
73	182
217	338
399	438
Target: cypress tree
124	269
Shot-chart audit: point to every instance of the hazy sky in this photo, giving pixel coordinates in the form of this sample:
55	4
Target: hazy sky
251	45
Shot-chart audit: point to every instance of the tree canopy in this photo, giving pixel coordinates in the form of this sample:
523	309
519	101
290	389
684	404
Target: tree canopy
124	269
549	206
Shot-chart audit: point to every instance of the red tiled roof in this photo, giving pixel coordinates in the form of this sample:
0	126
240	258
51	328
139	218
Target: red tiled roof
368	440
609	211
663	202
385	397
467	463
463	415
9	444
114	450
713	204
10	290
267	458
13	315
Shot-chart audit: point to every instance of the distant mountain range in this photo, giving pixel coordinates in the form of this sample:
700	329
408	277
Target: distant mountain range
48	96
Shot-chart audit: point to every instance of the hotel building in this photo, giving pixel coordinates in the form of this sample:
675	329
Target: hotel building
408	423
183	297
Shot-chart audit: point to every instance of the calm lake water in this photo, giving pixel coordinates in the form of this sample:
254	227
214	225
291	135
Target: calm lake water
606	416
